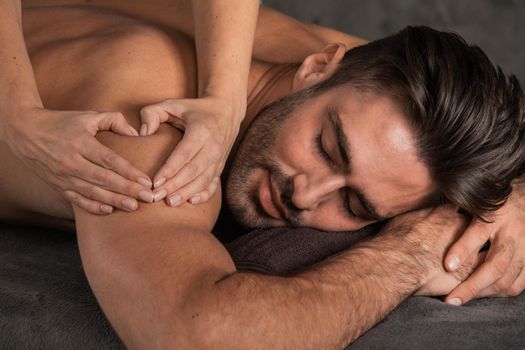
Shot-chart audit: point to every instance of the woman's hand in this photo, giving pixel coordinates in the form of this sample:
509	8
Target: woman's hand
61	148
210	126
502	273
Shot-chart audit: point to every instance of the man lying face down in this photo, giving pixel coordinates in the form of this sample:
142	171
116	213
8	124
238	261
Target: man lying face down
341	141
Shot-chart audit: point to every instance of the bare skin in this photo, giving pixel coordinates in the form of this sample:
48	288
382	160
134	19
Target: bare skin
281	39
119	64
109	62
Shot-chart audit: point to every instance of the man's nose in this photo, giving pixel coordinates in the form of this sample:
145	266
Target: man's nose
310	191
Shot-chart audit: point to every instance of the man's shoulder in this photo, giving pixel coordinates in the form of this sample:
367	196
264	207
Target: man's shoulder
148	153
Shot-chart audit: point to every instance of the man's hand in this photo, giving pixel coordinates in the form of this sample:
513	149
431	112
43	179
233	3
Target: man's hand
502	274
210	127
445	282
61	148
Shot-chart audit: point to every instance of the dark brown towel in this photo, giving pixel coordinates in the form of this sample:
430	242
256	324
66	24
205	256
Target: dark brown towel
282	251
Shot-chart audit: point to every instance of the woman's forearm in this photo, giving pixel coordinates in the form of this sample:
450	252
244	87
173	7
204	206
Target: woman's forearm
224	32
17	82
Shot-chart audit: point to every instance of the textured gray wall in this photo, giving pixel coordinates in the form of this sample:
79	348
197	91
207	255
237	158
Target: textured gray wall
497	26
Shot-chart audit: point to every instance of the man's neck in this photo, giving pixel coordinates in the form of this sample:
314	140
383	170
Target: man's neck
267	83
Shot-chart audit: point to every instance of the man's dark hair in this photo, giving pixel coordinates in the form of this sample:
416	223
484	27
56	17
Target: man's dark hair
466	113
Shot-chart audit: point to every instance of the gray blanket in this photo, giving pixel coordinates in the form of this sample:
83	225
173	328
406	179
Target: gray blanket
46	302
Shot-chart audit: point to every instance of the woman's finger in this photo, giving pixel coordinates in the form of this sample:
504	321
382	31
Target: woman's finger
511	285
125	175
151	117
115	122
495	267
103	196
189	191
88	205
519	285
194	169
205	195
110	181
183	154
470	243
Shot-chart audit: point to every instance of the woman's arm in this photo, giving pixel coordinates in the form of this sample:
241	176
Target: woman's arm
17	82
224	32
42	138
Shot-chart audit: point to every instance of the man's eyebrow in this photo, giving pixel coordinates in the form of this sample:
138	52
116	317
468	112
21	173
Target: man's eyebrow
342	140
344	150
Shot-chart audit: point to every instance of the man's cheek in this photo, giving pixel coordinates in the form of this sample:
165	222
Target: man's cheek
295	154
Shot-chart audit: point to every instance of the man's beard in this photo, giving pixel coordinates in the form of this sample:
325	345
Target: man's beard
257	151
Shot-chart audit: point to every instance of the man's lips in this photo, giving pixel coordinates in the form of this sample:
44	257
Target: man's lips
269	198
277	199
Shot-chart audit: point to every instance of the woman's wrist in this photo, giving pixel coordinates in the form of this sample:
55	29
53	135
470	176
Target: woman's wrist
11	108
229	103
14	115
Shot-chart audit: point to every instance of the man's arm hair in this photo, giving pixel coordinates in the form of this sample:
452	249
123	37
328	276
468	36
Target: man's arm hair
164	280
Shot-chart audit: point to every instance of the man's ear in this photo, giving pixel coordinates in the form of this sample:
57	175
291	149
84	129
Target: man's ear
319	66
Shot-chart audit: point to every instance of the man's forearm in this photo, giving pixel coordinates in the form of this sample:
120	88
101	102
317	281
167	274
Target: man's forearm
326	307
17	82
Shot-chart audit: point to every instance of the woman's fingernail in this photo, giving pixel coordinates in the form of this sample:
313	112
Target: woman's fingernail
195	199
454	301
130	204
159	182
174	200
143	130
143	181
160	195
133	131
453	263
146	196
106	208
